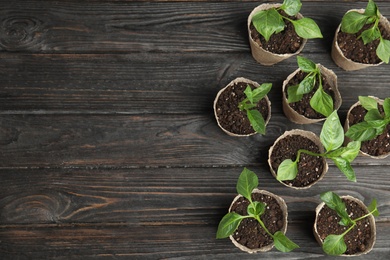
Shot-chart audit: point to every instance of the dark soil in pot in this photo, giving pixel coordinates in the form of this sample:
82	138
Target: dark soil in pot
378	146
250	234
230	117
310	167
358	239
286	41
303	106
353	47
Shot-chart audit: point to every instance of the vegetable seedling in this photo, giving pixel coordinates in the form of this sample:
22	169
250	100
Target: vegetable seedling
374	123
321	102
270	21
352	22
332	138
335	244
249	105
248	181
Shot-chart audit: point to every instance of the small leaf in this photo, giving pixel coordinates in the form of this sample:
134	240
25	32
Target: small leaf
370	34
228	224
345	167
287	170
307	84
307	28
292	95
334	245
332	133
386	107
247	181
352	151
322	102
371	9
352	22
260	92
373	115
291	7
256	120
306	65
368	103
333	201
364	131
282	243
256	208
383	50
373	208
268	22
249	94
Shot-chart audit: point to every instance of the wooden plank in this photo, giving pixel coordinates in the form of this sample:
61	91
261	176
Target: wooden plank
163	196
134	141
128	26
152	83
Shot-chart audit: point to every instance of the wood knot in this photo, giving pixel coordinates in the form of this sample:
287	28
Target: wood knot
8	135
20	32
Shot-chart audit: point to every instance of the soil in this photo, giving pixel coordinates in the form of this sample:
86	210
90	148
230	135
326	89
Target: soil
310	167
303	107
249	233
358	239
230	117
380	145
354	49
287	41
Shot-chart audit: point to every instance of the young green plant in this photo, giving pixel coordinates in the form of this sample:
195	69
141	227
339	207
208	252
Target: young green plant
321	102
374	123
335	244
249	105
270	21
352	22
332	138
246	183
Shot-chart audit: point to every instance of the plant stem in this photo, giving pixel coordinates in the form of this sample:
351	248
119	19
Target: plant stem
263	226
307	152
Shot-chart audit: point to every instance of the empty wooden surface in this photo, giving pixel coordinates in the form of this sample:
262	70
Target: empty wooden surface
108	143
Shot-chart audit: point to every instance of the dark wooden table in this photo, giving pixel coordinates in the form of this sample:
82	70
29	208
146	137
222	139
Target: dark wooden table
108	143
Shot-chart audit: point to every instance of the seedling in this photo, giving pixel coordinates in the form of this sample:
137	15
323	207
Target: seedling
321	102
246	183
270	21
249	105
332	138
374	123
353	22
334	244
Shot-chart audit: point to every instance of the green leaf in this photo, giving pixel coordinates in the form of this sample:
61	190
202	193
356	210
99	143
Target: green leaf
256	120
307	28
373	115
268	22
306	65
386	107
364	131
352	22
322	102
292	95
383	50
249	94
228	224
291	7
246	183
371	9
282	243
307	84
370	34
345	167
351	151
287	170
368	103
332	133
256	208
333	201
372	208
260	92
334	245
